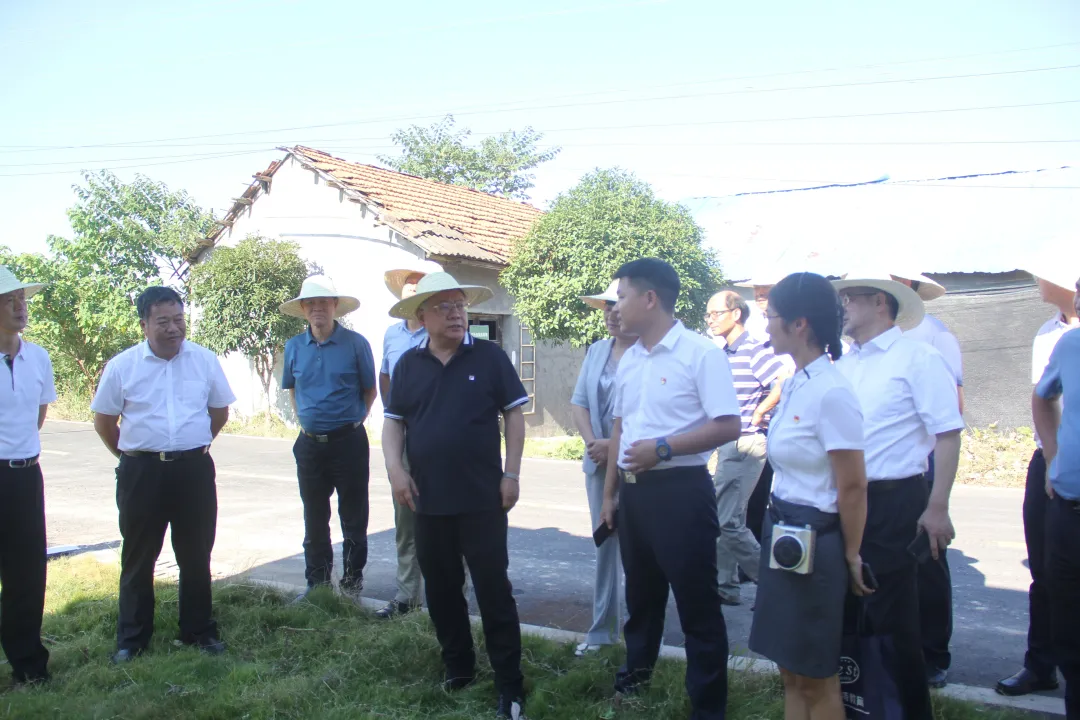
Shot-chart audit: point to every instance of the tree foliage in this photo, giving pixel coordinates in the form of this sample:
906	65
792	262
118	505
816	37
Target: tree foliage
499	165
607	219
125	236
238	290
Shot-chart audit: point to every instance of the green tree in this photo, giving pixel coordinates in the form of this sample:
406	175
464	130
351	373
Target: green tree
607	219
237	292
126	237
499	165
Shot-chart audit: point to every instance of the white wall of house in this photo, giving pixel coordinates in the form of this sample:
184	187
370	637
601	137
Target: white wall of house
343	238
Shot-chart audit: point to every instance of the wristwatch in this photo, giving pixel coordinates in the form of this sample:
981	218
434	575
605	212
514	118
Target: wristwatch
512	476
663	450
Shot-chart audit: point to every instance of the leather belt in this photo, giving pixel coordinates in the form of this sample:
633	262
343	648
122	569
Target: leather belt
169	456
886	485
1073	505
333	434
23	463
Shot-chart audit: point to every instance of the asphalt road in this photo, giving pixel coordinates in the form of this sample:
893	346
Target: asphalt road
551	554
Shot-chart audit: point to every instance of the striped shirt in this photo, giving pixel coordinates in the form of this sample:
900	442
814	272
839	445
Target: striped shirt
754	368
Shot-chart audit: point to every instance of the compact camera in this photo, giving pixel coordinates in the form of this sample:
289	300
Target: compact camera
792	548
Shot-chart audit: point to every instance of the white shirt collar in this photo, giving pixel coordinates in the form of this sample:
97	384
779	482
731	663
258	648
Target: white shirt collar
882	342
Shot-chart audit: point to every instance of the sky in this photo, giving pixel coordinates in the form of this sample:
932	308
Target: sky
698	98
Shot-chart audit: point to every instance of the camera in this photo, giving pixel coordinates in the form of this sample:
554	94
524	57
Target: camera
792	548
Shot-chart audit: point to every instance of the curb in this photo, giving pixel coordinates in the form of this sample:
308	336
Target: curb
983	696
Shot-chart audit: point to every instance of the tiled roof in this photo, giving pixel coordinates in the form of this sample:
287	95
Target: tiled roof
444	220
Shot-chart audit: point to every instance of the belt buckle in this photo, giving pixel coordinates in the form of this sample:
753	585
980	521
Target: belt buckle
164	456
629	477
321	438
18	464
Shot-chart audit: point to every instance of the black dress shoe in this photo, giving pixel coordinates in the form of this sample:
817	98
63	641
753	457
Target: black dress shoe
937	678
1025	682
511	707
211	646
453	683
124	655
31	678
395	608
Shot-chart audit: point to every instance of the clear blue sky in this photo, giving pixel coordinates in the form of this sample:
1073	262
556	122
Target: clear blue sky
126	72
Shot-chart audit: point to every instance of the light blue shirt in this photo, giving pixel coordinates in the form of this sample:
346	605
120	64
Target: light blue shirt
329	378
1061	380
397	341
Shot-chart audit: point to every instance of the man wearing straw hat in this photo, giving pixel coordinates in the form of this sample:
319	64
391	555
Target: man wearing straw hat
910	409
26	389
935	580
401	337
330	373
446	398
1052	274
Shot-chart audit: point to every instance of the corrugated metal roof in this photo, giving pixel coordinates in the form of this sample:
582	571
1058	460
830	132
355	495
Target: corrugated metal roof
974	224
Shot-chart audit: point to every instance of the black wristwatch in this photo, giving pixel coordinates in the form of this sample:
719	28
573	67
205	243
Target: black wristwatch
663	450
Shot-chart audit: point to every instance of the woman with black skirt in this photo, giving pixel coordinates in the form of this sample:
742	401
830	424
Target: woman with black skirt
816	450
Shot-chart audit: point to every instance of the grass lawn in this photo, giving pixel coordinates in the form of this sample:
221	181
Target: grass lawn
323	659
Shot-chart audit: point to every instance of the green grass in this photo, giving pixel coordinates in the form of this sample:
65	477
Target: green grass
325	658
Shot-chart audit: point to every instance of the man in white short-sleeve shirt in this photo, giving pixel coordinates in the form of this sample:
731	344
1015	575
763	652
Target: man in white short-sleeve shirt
26	389
910	409
1052	274
674	404
174	399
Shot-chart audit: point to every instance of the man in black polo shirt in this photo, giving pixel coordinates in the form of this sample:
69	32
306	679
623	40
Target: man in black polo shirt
449	393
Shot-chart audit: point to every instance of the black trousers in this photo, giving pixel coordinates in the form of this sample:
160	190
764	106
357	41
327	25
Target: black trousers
152	495
667	533
339	464
1039	657
893	511
22	570
759	501
480	537
935	603
1063	580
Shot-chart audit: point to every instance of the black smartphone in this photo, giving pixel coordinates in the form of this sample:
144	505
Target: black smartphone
868	578
920	547
601	534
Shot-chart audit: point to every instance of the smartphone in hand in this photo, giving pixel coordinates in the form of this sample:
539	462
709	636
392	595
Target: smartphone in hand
601	534
920	547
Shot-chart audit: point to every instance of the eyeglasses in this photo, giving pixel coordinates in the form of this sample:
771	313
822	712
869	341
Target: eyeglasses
845	298
716	314
444	308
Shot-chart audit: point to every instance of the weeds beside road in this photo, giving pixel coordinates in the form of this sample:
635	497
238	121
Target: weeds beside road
325	658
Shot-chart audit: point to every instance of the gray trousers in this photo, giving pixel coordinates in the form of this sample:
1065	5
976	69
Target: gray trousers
738	468
608	599
410	581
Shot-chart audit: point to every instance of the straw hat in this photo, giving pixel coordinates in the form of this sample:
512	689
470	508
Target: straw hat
600	301
319	286
1061	268
928	289
433	284
395	279
911	310
10	283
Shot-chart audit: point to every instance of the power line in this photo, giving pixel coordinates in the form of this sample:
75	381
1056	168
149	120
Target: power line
500	107
140	165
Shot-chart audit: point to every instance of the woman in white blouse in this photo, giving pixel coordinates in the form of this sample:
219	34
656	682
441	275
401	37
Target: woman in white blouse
816	450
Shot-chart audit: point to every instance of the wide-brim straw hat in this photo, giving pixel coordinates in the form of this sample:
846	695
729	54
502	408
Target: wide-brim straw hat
432	284
928	289
911	309
319	286
760	281
395	279
10	283
599	302
1062	268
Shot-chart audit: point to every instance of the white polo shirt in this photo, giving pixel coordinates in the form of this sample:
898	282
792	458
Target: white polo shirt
934	333
163	403
818	412
24	388
681	384
908	397
1045	341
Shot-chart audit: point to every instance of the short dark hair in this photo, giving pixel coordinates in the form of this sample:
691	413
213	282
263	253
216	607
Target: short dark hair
156	295
653	274
734	301
894	305
811	296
